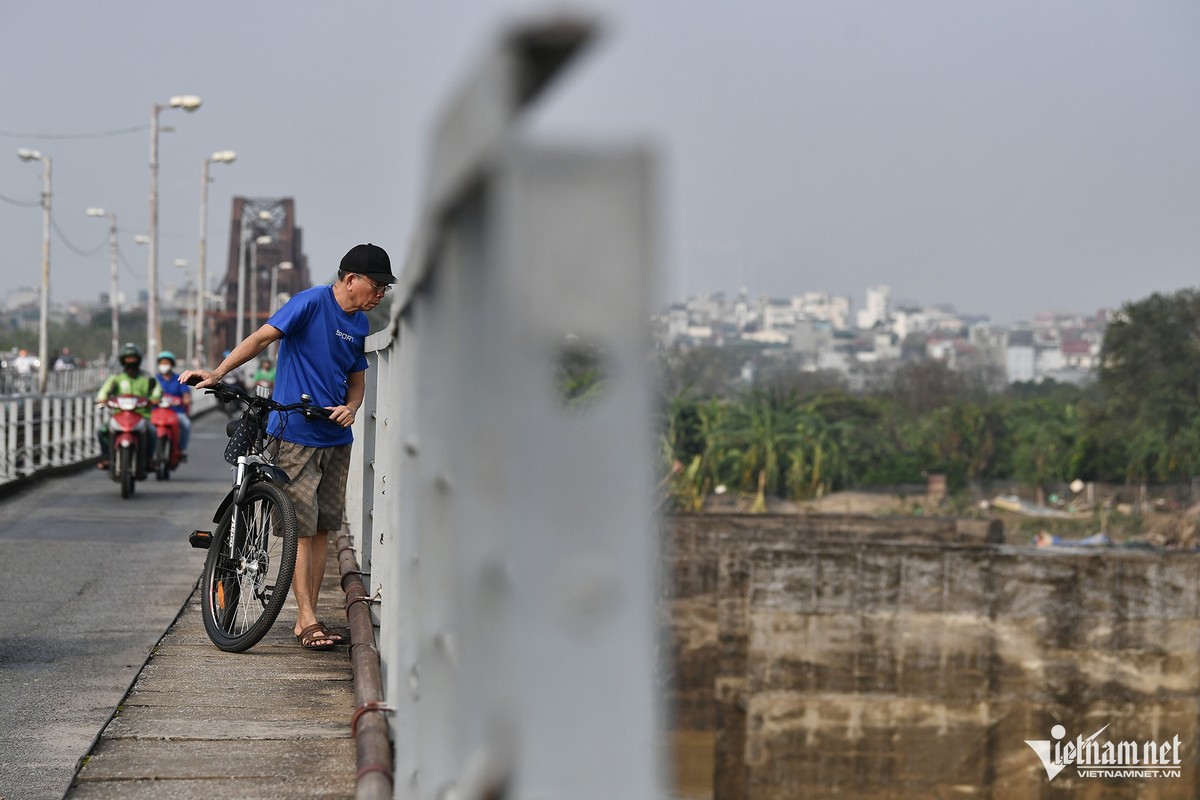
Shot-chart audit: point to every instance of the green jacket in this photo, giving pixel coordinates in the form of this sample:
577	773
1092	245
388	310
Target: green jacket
142	385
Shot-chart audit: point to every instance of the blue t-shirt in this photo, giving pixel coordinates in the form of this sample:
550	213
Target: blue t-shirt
170	385
321	346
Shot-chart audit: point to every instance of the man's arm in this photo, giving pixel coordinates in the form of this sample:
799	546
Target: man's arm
356	388
249	347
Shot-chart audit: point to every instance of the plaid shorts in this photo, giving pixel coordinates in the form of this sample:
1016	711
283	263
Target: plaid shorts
318	487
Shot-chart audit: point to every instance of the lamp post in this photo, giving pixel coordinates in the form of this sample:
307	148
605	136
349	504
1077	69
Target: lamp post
188	102
26	154
285	265
219	157
258	241
186	317
246	232
113	302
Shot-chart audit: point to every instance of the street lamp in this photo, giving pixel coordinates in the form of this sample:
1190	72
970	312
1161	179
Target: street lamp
239	329
285	265
143	240
253	287
186	317
25	154
219	157
188	102
112	290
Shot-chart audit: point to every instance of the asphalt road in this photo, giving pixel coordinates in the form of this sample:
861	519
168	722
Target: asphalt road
89	583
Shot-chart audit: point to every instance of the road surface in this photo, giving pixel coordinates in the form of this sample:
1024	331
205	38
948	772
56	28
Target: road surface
89	582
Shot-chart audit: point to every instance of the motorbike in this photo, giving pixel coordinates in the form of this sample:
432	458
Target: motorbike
165	420
125	427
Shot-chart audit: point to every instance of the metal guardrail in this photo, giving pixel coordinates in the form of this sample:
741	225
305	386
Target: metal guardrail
66	382
505	519
43	432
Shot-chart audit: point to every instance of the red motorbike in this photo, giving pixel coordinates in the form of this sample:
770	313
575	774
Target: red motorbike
165	420
125	428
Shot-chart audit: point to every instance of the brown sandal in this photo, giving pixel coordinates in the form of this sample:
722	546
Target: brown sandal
312	635
335	637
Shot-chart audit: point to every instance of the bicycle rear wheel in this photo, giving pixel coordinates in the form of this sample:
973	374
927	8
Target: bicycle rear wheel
247	576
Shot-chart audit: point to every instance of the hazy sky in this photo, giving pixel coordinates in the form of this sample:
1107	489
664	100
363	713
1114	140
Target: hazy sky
1006	157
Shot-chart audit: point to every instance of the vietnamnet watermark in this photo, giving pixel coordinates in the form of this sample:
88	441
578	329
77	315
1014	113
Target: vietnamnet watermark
1093	759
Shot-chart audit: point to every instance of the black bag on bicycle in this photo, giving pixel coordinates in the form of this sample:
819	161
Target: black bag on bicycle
243	437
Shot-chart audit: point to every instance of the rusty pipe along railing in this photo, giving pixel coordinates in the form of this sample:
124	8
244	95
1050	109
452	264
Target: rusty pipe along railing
372	747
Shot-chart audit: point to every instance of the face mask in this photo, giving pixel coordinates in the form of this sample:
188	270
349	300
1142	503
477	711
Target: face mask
164	368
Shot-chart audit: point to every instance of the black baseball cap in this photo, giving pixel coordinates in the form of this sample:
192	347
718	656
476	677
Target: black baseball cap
370	260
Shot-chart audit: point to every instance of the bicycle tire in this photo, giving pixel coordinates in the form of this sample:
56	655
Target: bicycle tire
246	582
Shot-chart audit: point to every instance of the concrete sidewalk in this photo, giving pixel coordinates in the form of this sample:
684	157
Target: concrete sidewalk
201	723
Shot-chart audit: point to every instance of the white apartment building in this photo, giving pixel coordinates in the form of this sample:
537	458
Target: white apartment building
878	308
907	321
19	298
778	314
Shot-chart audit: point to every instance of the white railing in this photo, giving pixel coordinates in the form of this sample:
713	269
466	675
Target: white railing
506	523
67	381
44	432
41	432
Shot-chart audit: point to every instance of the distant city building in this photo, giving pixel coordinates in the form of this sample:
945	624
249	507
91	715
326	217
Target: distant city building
23	297
814	332
878	310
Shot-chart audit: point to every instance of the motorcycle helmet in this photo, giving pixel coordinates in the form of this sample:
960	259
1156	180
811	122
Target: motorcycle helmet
168	355
130	355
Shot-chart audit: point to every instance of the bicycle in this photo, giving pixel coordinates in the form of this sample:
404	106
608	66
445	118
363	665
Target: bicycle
252	554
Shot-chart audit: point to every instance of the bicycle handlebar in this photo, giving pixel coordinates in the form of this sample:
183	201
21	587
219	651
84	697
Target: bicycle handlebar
229	393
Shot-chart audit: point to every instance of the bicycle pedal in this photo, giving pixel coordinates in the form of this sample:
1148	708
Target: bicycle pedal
200	539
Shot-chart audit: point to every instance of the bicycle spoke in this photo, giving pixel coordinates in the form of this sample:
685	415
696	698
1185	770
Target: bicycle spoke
249	569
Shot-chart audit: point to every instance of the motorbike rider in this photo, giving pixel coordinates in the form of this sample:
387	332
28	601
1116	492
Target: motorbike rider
265	372
129	381
168	379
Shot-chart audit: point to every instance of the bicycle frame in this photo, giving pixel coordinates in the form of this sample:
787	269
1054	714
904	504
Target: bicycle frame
252	467
248	470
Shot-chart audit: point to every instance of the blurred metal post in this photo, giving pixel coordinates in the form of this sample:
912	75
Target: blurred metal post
201	354
188	103
113	302
26	154
507	528
44	317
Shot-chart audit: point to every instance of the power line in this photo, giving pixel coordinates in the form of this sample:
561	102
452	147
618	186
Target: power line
93	135
22	203
128	269
63	238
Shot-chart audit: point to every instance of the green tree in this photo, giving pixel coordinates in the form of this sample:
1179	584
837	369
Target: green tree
763	431
1044	434
818	461
962	439
1150	361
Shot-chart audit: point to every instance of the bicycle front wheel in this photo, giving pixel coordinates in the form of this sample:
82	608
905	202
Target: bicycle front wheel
248	572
